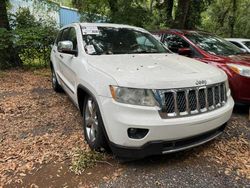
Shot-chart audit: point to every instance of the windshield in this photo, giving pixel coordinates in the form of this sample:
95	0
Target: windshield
247	43
110	40
213	44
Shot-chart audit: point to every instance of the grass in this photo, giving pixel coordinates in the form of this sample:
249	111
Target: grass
2	74
45	72
83	159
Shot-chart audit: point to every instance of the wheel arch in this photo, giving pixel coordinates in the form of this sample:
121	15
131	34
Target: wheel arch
82	93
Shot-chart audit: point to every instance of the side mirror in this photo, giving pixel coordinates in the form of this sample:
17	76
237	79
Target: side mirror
66	47
185	51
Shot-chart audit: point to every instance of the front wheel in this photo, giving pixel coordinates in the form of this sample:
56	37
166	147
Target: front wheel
93	125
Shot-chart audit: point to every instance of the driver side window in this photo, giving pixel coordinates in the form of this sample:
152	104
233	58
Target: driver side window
174	42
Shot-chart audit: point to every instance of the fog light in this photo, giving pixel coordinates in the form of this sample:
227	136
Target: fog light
137	133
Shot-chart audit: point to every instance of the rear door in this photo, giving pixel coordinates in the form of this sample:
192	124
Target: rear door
55	55
59	56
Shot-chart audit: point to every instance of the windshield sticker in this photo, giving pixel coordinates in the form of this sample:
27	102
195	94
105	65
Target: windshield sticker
90	49
90	30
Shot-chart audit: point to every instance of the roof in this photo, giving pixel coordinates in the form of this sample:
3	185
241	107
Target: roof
107	25
179	31
237	39
111	25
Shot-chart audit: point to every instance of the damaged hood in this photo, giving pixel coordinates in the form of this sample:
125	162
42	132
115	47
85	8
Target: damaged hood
156	71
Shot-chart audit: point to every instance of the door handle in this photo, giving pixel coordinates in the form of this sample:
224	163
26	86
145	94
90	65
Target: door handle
54	51
61	56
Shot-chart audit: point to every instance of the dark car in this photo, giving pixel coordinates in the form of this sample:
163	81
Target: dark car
216	51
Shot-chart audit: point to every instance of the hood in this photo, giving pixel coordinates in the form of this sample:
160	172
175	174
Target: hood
242	59
156	71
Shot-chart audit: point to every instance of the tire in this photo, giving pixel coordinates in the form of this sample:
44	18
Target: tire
93	125
55	85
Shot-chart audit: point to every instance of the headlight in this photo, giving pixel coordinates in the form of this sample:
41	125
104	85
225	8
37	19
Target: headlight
143	97
240	69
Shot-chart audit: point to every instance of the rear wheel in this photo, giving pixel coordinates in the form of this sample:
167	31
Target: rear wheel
55	85
93	125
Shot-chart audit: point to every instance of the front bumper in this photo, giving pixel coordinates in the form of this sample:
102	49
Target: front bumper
165	147
119	117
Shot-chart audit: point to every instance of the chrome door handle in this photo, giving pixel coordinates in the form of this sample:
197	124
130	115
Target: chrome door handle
61	56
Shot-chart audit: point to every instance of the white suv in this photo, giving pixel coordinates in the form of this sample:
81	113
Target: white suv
136	97
243	44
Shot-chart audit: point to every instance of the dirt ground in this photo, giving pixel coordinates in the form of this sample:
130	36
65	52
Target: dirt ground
40	131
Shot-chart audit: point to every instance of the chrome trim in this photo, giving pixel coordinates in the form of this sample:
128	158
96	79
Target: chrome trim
189	112
175	103
206	98
187	102
219	94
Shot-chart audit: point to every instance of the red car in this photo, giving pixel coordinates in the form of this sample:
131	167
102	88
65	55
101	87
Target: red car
216	51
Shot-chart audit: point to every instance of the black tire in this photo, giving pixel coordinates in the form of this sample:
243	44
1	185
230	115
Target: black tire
99	143
55	85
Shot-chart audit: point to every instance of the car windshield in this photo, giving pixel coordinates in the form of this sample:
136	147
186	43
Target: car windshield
111	40
247	43
213	44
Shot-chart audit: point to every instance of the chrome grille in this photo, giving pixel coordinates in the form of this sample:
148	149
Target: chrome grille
192	101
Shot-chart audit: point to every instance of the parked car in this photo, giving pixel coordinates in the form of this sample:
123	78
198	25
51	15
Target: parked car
243	44
216	51
136	96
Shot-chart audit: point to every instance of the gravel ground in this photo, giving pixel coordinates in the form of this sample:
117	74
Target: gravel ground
40	131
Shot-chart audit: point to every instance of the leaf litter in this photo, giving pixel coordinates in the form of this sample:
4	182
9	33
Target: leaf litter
38	126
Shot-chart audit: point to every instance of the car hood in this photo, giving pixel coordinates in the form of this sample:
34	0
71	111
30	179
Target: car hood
156	71
242	59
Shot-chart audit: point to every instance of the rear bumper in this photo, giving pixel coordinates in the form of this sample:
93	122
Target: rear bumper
165	147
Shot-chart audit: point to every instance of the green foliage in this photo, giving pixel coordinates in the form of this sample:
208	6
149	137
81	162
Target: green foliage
92	10
219	16
85	159
6	40
117	11
33	38
131	13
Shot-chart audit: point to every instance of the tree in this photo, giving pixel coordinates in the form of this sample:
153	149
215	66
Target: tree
233	18
113	6
8	54
169	11
117	11
181	16
91	10
229	20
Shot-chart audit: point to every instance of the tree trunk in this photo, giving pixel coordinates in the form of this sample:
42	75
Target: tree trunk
181	14
8	55
113	5
233	18
4	23
169	9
